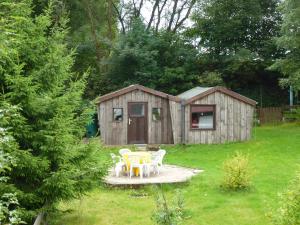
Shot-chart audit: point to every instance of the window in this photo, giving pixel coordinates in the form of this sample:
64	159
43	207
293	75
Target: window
137	110
117	114
156	114
203	117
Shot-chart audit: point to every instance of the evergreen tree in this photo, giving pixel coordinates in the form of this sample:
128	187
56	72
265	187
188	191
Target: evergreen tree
162	60
9	212
52	162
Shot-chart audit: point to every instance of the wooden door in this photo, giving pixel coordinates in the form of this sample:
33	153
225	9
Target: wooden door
137	131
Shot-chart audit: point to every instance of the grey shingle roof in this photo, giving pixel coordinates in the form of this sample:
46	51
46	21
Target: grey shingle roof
193	92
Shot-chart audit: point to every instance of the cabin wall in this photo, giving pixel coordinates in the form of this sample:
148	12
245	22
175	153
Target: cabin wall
234	120
175	115
115	133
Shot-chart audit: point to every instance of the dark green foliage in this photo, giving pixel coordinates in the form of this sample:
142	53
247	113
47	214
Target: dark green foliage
228	26
9	205
52	162
163	61
236	39
93	28
231	43
289	41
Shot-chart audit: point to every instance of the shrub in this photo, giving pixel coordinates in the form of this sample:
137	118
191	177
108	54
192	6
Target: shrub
289	211
166	214
292	114
237	172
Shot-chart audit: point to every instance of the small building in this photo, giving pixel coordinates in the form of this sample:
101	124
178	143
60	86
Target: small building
141	115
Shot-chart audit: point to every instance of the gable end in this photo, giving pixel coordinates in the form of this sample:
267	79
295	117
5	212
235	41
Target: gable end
224	91
132	88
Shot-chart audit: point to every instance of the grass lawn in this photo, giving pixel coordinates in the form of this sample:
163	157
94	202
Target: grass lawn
274	154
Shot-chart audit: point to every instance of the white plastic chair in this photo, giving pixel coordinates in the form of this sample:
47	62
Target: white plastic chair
156	162
122	151
118	164
161	153
135	163
147	168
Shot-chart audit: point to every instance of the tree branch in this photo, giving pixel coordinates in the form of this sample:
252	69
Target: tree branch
159	11
110	19
152	14
180	11
179	24
120	18
172	15
134	8
140	7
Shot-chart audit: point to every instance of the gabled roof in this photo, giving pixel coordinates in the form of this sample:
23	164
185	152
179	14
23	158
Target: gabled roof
132	88
201	92
193	92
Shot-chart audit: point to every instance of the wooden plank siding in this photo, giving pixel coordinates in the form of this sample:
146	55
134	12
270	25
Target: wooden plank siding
115	132
233	117
175	116
234	120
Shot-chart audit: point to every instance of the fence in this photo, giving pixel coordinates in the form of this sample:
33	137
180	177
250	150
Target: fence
270	115
276	114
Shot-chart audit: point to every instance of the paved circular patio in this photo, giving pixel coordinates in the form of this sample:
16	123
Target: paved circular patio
168	174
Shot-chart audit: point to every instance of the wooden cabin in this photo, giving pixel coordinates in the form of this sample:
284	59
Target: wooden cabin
216	115
141	115
135	115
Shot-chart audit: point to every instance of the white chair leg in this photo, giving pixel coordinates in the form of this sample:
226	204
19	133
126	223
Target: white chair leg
118	170
130	172
157	169
145	167
141	172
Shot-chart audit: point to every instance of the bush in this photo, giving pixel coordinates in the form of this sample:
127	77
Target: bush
289	211
166	214
237	172
292	114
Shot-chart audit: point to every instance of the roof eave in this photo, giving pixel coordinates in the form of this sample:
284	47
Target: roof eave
132	88
225	91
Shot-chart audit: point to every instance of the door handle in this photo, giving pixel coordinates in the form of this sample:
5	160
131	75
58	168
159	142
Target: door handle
129	121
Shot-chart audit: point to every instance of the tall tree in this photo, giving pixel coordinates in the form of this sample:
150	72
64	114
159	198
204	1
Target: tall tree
52	162
162	60
93	28
170	15
235	38
9	212
289	40
93	25
225	26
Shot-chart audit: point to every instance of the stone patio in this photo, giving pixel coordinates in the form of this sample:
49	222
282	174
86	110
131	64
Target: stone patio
168	174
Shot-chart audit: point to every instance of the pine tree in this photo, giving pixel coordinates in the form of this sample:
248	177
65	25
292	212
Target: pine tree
52	162
9	212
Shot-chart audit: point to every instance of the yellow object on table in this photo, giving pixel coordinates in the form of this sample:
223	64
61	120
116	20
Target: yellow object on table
143	157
